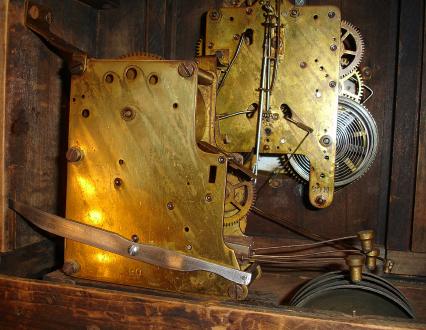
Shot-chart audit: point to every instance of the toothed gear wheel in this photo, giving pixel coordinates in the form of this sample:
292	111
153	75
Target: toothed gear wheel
239	199
352	86
199	48
140	56
351	48
288	169
356	144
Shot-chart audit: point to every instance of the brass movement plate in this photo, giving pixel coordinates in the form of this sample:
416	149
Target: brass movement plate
143	175
307	80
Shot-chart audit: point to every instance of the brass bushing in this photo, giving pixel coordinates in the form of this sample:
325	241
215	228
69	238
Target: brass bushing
355	263
70	267
371	261
388	266
74	154
367	240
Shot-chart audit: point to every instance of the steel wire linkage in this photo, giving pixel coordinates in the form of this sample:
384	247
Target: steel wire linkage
266	84
274	254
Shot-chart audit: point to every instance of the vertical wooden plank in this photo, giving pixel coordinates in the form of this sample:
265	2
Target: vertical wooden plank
419	221
170	33
31	125
156	26
122	30
35	122
367	199
404	155
188	21
3	57
75	22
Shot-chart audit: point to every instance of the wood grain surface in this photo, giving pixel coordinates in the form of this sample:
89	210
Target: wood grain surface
39	305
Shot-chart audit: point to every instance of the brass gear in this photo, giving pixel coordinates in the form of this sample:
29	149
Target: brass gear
352	86
140	56
239	199
199	48
288	169
351	48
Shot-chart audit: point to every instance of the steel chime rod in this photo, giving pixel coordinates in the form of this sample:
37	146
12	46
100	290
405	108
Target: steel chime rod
265	79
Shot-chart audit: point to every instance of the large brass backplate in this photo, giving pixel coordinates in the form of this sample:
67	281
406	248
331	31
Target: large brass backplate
307	80
142	175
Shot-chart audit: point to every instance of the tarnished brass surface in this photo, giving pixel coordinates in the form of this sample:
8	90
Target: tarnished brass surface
355	263
142	175
307	82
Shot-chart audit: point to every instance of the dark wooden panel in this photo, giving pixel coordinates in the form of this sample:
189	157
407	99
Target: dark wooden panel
188	22
38	305
122	30
408	263
35	123
171	29
32	261
74	22
102	4
419	221
4	237
155	23
367	199
404	153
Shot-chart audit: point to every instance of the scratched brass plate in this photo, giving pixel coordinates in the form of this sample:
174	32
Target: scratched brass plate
307	68
154	158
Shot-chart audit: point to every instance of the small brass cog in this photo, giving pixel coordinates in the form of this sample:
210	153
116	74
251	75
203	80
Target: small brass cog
352	86
140	56
239	199
288	169
199	48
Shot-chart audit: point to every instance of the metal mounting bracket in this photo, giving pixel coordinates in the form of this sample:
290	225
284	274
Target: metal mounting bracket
38	18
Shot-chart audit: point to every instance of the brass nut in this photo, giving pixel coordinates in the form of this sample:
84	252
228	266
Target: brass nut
34	12
320	200
236	291
133	250
367	72
70	267
186	69
118	182
355	263
128	114
48	18
294	13
221	159
367	240
326	140
371	260
208	198
74	154
215	15
388	266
